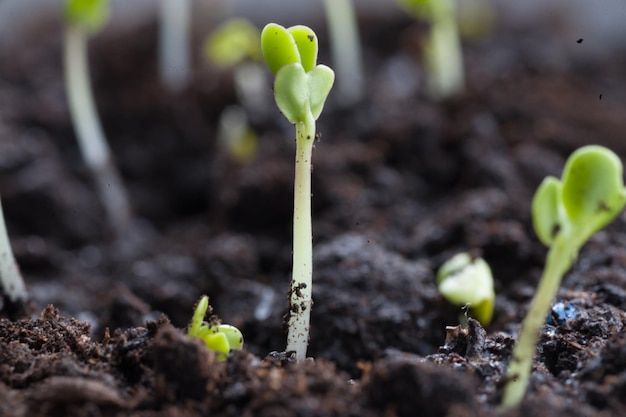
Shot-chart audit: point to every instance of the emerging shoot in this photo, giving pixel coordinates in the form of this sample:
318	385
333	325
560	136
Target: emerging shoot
566	212
174	32
300	90
465	281
12	283
443	58
218	337
85	17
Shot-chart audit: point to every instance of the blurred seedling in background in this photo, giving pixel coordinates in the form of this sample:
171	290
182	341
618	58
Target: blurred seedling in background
566	212
345	46
442	54
174	44
218	337
300	90
467	281
84	18
14	295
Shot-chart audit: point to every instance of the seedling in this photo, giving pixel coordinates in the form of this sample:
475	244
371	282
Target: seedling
443	58
174	32
85	17
300	89
346	50
218	337
464	281
11	279
566	213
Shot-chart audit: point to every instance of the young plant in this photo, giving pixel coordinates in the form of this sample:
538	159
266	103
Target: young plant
443	58
300	89
566	213
346	50
12	283
464	281
85	17
218	337
174	56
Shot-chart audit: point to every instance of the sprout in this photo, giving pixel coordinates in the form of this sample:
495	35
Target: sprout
566	213
220	338
466	281
442	51
174	56
300	90
11	281
84	17
346	50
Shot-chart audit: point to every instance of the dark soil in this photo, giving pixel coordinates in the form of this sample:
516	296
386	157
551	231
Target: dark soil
400	184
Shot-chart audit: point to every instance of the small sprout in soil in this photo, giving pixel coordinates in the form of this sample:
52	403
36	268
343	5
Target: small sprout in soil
220	338
443	58
566	212
83	18
13	287
345	47
300	90
174	44
465	281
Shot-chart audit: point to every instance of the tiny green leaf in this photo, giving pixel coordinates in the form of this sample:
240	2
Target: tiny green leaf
232	334
306	41
198	316
90	15
278	47
233	42
547	220
463	280
217	342
593	190
321	79
291	92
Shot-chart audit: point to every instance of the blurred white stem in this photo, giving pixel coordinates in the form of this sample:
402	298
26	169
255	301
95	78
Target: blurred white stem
174	33
346	50
10	277
91	140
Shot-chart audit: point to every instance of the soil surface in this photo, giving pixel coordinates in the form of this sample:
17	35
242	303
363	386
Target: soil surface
400	184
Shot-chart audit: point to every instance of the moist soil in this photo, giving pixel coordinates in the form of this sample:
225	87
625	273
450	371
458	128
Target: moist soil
400	184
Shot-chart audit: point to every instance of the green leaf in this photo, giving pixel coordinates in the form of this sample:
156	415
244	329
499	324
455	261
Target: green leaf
278	47
546	212
232	334
291	92
217	342
90	15
306	41
463	280
593	189
233	42
198	317
320	81
421	9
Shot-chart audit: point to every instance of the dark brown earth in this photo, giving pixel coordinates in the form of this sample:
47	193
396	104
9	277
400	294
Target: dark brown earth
400	184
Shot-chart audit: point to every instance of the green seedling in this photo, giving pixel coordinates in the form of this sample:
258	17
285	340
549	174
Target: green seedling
566	212
464	281
300	90
84	18
345	47
233	42
11	279
443	58
218	337
174	44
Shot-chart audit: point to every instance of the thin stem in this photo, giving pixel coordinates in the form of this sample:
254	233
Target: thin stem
91	140
346	49
10	277
174	43
560	258
301	282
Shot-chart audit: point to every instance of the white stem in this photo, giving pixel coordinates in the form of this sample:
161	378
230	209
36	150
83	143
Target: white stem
10	277
346	50
91	140
174	55
302	280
